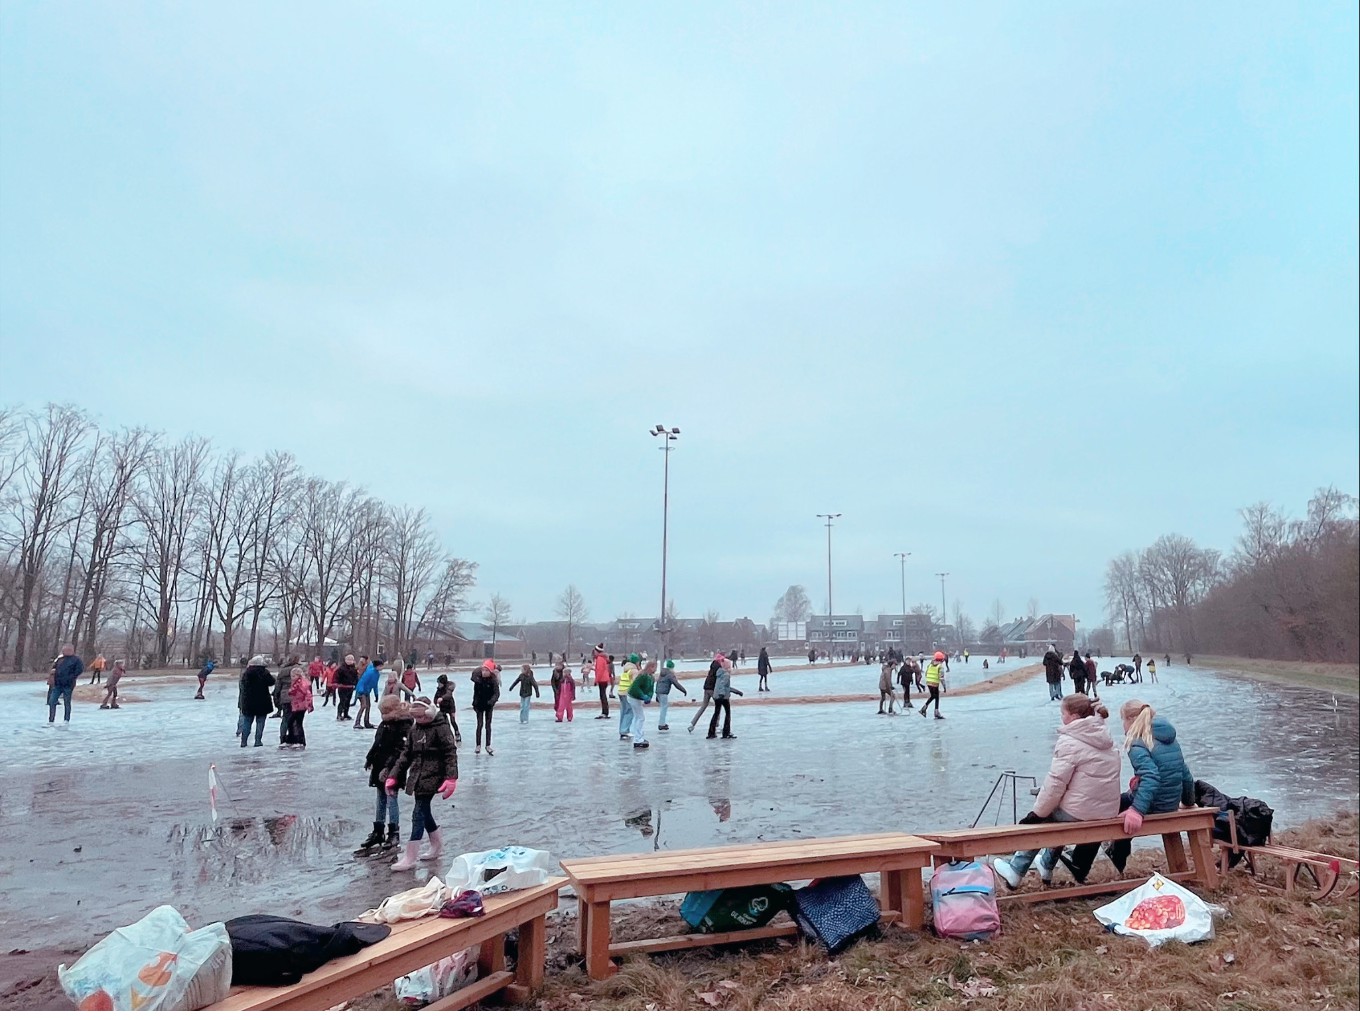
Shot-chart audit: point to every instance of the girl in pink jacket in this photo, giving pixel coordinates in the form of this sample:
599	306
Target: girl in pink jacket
300	697
1082	783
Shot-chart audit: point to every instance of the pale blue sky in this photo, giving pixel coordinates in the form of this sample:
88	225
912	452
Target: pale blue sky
1013	287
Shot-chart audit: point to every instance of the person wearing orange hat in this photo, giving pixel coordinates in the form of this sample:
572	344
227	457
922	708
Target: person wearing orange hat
934	684
486	691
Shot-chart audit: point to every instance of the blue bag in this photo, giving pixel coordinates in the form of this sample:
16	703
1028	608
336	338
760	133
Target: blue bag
753	906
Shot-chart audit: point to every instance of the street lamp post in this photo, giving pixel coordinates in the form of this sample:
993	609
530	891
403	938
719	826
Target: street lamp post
944	613
902	559
668	434
830	519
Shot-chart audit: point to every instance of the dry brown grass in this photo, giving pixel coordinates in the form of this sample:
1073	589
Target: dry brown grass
1272	951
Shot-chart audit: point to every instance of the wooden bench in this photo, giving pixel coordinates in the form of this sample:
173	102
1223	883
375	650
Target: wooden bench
598	881
1323	871
418	943
1000	840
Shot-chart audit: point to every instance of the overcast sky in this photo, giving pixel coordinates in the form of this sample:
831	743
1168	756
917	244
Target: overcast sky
1013	287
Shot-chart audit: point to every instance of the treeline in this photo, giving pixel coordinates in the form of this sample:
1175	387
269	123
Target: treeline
129	542
1290	589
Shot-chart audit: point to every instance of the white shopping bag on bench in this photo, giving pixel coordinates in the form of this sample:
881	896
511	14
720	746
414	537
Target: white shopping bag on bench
496	871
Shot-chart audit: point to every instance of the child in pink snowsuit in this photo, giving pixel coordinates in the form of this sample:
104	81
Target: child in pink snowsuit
566	694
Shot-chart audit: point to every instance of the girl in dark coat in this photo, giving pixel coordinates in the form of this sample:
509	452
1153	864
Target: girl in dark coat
443	699
1076	669
388	741
709	682
428	765
346	679
1053	665
486	691
257	699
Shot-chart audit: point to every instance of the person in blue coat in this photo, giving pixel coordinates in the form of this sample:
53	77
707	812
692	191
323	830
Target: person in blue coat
1161	780
365	691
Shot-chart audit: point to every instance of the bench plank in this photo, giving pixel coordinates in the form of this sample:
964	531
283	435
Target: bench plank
410	946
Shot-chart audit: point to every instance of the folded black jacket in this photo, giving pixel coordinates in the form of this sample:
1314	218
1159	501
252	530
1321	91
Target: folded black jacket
268	950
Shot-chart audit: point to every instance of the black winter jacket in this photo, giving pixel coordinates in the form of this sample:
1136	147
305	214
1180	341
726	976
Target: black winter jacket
388	740
257	691
428	757
1053	667
1076	669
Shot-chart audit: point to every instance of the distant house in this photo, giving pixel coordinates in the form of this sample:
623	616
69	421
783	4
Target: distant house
1052	629
838	631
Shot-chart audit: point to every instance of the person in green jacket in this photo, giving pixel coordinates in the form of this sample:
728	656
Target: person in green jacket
640	693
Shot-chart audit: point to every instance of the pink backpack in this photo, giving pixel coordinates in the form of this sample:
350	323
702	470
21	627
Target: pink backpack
963	901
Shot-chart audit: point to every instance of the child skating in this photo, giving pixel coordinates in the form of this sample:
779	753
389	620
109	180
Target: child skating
566	695
526	684
388	740
934	684
428	766
640	693
722	700
886	691
664	683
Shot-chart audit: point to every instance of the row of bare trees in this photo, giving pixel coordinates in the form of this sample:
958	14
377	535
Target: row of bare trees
1290	589
129	543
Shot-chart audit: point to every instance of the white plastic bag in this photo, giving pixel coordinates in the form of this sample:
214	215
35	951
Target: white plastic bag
441	978
496	871
1159	911
408	905
155	963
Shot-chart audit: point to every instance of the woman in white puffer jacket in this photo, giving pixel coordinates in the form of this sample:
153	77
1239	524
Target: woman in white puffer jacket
1082	783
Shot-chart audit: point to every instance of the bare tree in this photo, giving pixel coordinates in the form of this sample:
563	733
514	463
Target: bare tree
47	481
1032	607
998	612
278	538
414	560
793	606
571	606
167	507
327	570
448	599
497	615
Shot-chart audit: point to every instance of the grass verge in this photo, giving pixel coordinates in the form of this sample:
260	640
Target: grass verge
1338	677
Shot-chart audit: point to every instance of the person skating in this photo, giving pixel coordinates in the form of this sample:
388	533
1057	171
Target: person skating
366	690
904	675
97	669
1053	666
300	702
1152	670
625	682
388	740
1138	666
111	685
208	666
934	685
1092	678
709	682
410	682
565	704
526	684
316	670
764	668
257	686
443	698
486	691
1082	783
602	680
886	692
61	683
428	765
1076	669
283	702
722	700
346	679
664	683
640	694
555	680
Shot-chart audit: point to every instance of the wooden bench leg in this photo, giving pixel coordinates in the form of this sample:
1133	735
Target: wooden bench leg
913	895
492	956
1175	853
1204	866
598	964
890	891
529	967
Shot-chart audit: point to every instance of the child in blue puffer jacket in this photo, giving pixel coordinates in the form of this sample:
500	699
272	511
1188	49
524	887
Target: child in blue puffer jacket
1161	780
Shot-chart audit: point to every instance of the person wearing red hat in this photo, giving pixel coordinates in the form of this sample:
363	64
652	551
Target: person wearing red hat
486	691
934	684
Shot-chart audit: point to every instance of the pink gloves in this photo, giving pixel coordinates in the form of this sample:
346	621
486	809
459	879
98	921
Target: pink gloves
447	787
1133	821
391	785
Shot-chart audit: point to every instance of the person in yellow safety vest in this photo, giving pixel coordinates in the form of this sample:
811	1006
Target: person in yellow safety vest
626	684
934	684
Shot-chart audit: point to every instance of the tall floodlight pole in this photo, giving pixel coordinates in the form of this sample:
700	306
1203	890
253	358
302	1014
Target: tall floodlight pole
669	435
830	519
902	558
944	613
